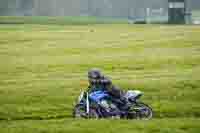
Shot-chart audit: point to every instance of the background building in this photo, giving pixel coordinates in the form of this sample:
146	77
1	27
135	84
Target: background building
132	9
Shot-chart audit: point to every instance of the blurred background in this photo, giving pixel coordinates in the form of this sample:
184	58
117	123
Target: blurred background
132	10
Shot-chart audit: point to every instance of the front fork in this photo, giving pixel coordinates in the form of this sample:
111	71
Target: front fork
87	104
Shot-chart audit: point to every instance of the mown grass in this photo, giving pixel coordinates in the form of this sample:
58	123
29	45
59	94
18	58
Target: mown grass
99	126
68	20
44	67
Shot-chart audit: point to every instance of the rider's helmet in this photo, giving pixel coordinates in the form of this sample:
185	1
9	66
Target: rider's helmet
94	75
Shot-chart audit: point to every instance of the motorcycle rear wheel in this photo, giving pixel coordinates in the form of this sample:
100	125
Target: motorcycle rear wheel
141	111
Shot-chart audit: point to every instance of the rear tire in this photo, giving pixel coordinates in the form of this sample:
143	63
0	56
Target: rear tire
141	111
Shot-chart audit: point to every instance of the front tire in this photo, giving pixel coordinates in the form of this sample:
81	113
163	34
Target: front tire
79	111
93	114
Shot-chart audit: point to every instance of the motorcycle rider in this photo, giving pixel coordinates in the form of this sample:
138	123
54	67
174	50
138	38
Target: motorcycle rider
97	81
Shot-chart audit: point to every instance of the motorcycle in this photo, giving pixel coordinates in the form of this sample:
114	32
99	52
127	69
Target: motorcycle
89	105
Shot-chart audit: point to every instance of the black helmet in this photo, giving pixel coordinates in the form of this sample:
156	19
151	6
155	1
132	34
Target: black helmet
94	73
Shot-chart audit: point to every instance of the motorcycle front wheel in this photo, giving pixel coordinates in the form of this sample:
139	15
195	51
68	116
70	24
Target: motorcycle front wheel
93	114
79	111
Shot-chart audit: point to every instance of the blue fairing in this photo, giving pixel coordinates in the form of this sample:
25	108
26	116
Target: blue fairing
97	96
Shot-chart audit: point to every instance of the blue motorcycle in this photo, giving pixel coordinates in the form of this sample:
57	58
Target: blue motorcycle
89	105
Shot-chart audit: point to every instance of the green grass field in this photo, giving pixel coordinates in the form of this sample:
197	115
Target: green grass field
44	67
